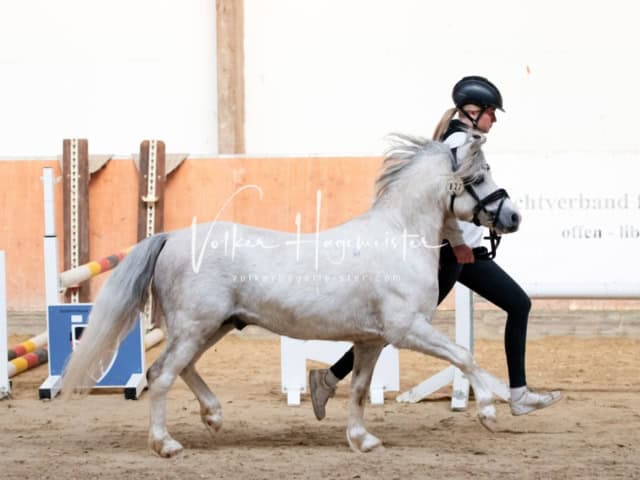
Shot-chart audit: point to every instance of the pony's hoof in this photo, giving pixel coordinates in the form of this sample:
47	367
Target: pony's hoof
166	448
213	421
487	417
363	442
490	423
497	387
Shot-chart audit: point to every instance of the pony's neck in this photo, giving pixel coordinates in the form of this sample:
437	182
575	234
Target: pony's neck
423	216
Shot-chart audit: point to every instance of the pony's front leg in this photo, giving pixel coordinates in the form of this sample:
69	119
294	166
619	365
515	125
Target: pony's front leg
365	357
422	337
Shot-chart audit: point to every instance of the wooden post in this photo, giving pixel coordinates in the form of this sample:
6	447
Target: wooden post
151	202
75	174
230	60
151	188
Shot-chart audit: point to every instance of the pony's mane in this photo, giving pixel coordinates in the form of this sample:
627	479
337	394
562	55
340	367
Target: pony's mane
401	154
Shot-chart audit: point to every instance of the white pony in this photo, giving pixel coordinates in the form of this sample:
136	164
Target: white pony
371	281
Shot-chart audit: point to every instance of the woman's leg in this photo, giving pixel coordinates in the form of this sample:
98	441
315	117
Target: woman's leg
486	278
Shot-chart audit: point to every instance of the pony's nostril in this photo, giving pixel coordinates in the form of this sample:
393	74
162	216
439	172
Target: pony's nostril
515	219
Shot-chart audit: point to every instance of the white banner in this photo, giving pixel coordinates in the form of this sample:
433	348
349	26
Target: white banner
580	233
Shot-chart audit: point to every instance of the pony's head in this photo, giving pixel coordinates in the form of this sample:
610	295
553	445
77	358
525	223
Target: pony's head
474	195
418	172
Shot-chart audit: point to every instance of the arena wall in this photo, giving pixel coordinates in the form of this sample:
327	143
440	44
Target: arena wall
198	188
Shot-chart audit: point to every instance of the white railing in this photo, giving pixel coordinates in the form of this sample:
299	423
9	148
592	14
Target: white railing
295	353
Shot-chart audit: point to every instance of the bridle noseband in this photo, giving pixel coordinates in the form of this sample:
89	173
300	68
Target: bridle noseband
499	195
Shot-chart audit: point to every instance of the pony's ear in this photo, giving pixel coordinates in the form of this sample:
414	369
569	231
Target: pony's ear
470	148
476	138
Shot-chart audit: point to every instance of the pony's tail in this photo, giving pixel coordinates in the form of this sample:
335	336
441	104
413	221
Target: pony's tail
112	316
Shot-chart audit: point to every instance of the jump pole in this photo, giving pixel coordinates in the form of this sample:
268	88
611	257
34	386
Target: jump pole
27	361
77	275
5	385
153	337
27	346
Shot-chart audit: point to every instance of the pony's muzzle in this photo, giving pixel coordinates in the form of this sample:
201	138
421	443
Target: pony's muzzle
508	222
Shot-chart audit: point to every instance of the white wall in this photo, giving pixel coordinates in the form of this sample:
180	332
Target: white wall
335	76
322	76
115	72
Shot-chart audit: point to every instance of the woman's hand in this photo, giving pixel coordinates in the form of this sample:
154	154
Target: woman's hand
464	254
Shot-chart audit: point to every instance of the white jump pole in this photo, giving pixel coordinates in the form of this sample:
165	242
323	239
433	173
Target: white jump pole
5	386
52	292
153	337
464	337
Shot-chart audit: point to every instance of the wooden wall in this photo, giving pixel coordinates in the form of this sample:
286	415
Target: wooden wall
199	187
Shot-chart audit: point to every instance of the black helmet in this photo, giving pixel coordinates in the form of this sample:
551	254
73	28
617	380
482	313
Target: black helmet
478	91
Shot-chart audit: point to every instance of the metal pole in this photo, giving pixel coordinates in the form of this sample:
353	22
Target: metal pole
52	292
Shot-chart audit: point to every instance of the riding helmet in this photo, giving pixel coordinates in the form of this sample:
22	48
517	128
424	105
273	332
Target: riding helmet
478	91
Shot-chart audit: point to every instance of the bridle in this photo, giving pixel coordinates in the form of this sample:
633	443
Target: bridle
458	185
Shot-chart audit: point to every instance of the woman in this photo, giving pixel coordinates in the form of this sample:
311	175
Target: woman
476	100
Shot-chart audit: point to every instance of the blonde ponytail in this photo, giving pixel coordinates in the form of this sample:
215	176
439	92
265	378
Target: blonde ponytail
443	124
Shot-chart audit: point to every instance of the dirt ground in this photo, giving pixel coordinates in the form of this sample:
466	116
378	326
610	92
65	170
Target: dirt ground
592	433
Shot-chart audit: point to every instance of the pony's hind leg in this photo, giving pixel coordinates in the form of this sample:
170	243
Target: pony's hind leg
178	354
365	357
210	409
422	337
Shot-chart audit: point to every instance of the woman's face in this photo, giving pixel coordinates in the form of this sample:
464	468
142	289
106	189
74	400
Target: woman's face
486	120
